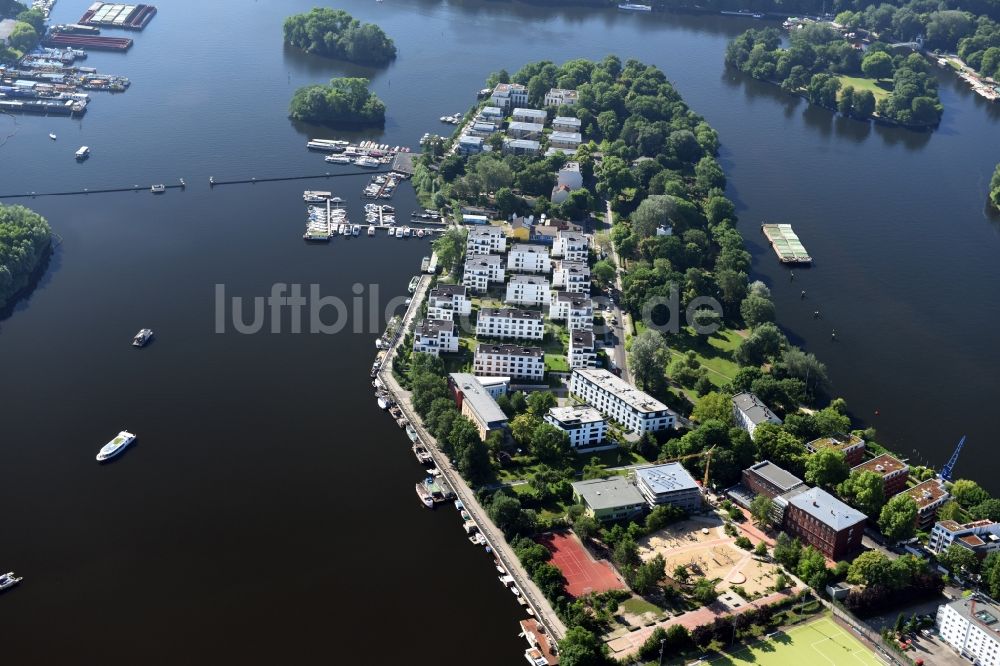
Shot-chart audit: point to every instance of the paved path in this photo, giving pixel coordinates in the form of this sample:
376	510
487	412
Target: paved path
543	611
619	329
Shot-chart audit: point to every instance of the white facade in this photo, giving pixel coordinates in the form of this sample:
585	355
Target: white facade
577	310
570	176
512	361
509	95
567	140
566	124
581	353
560	96
447	300
981	536
619	400
571	246
485	240
749	412
510	323
521	130
970	626
524	115
528	290
481	270
434	336
571	276
527	258
584	425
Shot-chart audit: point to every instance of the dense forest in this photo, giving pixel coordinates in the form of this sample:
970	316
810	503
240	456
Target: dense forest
345	102
901	87
336	34
25	239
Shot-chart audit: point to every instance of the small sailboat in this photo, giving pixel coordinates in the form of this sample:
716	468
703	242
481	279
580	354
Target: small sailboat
52	136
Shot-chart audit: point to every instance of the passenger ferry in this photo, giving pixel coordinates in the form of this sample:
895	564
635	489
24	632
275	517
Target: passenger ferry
632	7
82	153
9	579
338	159
367	162
115	446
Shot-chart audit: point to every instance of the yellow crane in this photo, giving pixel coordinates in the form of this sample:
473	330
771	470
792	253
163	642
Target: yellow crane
707	455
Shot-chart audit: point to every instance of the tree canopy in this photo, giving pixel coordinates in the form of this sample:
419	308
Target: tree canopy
345	101
336	34
25	238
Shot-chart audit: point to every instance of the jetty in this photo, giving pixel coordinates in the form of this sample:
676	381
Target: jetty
785	244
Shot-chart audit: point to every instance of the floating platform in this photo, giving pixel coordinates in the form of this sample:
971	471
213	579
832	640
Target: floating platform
89	42
786	244
129	17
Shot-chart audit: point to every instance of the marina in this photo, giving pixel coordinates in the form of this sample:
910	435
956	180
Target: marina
785	244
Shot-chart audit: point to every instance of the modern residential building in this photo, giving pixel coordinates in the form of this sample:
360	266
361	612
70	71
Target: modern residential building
971	626
767	479
541	648
550	151
509	95
560	193
495	386
821	520
482	270
510	323
565	140
512	361
469	144
668	484
571	246
434	336
929	496
584	425
481	129
527	258
528	290
485	240
620	401
491	114
524	115
581	352
521	147
980	536
749	412
614	498
447	300
560	96
566	124
522	130
577	310
894	472
852	446
475	402
571	276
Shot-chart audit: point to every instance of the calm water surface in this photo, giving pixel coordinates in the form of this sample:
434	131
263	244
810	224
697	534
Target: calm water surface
266	513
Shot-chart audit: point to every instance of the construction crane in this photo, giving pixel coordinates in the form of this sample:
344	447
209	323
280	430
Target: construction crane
950	466
701	454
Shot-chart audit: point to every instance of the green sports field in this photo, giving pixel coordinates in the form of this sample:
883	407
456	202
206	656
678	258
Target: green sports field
819	643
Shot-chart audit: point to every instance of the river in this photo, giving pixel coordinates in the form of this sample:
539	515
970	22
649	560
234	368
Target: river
266	513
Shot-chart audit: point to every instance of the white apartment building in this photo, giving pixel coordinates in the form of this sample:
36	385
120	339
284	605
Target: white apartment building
749	412
491	114
520	130
528	290
482	270
510	323
434	336
485	240
570	245
565	140
528	258
560	96
577	310
581	352
447	300
571	276
514	361
619	400
509	95
566	124
972	627
524	115
570	176
584	425
668	484
980	536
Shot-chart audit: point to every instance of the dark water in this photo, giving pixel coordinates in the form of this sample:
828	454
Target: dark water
266	513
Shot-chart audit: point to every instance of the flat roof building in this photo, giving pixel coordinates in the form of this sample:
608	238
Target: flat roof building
584	425
476	403
510	323
512	361
852	446
980	536
668	484
523	115
894	472
972	627
929	496
560	96
821	520
766	478
614	498
620	401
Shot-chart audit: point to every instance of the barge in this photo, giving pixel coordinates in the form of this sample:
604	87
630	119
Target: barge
785	244
114	15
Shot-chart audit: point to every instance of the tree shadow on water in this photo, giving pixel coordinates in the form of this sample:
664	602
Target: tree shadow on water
38	281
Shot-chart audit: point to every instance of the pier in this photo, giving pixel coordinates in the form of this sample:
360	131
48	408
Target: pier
541	608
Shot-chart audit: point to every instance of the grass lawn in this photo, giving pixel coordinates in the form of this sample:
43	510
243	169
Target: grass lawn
714	352
820	642
878	88
638	606
556	363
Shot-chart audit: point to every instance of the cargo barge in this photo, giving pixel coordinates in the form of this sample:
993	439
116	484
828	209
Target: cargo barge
129	17
786	244
45	107
88	42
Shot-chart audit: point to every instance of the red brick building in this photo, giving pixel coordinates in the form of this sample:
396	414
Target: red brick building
894	473
929	496
822	521
852	446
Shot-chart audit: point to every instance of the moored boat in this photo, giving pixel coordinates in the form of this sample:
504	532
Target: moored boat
425	496
115	446
9	580
142	338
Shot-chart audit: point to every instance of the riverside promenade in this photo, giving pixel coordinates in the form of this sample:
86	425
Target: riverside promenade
541	607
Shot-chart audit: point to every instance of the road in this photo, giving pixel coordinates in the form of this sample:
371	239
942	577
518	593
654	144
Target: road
541	607
618	330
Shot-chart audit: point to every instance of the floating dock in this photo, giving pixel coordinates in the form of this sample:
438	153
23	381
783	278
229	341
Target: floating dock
89	42
129	17
786	244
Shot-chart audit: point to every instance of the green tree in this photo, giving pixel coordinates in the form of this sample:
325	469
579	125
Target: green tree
345	101
756	310
586	527
23	37
603	272
704	591
863	489
960	560
336	34
648	359
450	249
870	568
580	647
25	240
647	576
950	510
760	550
968	493
764	342
760	509
827	468
898	520
717	406
812	568
864	104
877	65
549	444
986	510
550	580
787	551
539	403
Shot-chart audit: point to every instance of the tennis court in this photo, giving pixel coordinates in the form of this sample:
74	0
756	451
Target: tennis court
819	643
583	573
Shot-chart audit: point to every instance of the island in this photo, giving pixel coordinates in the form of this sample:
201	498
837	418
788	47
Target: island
25	242
344	102
995	189
824	67
334	33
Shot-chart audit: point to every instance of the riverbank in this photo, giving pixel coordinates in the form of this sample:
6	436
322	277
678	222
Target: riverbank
25	246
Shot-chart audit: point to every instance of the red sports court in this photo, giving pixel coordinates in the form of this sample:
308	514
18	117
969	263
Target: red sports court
583	573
